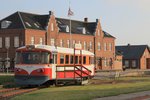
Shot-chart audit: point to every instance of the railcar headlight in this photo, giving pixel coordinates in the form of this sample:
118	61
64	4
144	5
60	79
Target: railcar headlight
40	70
18	69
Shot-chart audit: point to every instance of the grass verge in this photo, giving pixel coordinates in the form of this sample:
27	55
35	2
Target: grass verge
87	92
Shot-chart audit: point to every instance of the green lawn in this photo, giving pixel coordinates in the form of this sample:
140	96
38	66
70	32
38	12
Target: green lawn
7	80
88	92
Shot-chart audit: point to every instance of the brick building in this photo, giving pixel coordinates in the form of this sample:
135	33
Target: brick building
135	56
21	28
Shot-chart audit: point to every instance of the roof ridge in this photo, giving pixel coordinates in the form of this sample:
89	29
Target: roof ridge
28	13
74	20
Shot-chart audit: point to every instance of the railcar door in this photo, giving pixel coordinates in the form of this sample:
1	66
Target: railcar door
54	63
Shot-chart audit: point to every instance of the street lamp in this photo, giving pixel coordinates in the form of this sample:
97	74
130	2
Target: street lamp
7	58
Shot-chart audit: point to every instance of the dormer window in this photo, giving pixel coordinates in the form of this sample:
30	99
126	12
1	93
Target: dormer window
65	28
36	25
81	30
28	24
5	24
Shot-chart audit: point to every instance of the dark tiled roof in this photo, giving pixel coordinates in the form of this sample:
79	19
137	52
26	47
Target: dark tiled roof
22	20
131	51
15	21
107	35
90	27
35	21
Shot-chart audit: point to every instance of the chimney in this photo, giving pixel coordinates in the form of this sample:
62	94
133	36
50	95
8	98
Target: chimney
128	44
97	20
86	19
51	12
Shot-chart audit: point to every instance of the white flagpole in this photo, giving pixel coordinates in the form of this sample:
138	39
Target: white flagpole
70	13
70	34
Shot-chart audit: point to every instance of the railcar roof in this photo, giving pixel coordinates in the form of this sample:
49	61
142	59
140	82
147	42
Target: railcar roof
60	49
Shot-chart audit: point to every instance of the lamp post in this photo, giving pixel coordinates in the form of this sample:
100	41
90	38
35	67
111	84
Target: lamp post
7	65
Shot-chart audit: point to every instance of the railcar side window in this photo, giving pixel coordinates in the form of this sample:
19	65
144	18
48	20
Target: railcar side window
71	59
80	59
76	59
61	59
84	59
67	59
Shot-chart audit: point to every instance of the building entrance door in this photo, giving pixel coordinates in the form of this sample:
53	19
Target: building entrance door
148	63
99	63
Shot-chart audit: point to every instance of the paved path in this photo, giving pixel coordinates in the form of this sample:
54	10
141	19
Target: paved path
145	95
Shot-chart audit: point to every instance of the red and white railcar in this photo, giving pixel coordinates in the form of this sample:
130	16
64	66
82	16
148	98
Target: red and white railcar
38	64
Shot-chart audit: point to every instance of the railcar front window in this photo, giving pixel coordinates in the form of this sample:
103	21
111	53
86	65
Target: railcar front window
32	57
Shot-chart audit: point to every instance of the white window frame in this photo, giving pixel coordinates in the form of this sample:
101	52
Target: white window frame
16	41
90	45
73	42
134	63
52	27
52	41
32	40
110	46
61	43
105	61
1	42
68	43
41	41
7	42
99	46
98	32
105	46
85	45
126	63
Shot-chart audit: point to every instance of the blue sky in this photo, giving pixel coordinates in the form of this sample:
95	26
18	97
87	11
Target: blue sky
127	20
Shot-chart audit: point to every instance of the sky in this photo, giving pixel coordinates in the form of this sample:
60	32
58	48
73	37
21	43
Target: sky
127	20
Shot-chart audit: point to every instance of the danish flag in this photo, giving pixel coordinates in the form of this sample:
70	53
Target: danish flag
70	13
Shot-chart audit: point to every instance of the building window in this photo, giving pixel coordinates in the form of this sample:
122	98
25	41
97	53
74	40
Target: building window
79	42
67	28
126	63
61	43
99	46
105	46
16	41
52	27
41	41
1	44
98	32
32	40
90	45
73	42
7	42
28	24
133	63
105	61
110	46
85	45
52	42
68	43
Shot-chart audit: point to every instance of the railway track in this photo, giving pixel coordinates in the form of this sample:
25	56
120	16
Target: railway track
6	94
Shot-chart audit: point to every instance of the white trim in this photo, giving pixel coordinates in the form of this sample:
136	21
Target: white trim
60	49
21	20
30	68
